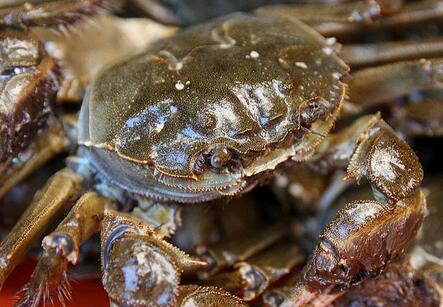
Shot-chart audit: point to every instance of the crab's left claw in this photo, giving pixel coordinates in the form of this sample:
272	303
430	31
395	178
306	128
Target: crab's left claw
139	268
367	235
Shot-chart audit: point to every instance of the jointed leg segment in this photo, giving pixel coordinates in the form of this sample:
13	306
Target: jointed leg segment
58	194
62	246
53	13
130	247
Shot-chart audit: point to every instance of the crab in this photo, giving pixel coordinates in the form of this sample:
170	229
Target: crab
208	113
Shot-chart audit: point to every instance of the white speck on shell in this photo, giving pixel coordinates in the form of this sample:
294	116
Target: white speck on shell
179	86
254	54
301	65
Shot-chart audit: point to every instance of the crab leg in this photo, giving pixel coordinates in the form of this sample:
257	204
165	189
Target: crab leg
346	13
375	85
227	253
55	13
410	14
276	296
380	53
62	246
420	117
46	146
366	235
56	196
350	18
251	277
132	249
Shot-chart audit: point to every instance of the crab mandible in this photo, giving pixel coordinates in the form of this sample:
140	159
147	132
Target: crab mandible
206	114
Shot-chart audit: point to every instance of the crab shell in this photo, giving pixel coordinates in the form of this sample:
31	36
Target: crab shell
263	87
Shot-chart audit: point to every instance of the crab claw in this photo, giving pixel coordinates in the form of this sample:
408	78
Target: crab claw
367	235
139	268
388	162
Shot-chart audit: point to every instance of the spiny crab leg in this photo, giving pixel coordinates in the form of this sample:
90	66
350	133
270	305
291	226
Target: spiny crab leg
58	194
378	84
132	250
366	235
62	246
55	13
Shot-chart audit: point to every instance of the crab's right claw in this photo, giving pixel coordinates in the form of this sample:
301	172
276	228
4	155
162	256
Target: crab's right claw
139	268
367	235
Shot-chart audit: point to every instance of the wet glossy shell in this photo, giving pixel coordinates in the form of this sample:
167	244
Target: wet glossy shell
243	81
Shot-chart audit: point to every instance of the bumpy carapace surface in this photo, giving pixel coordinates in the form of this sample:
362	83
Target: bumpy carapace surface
197	113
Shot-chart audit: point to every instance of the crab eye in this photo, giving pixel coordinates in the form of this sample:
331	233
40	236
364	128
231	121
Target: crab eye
315	109
220	158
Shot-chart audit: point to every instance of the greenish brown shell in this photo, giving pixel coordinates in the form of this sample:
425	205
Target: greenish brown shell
252	84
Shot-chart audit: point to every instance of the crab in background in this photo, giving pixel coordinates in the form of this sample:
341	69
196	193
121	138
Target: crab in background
211	112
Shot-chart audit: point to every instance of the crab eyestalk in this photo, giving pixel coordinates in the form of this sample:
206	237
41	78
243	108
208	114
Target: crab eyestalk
367	235
139	268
